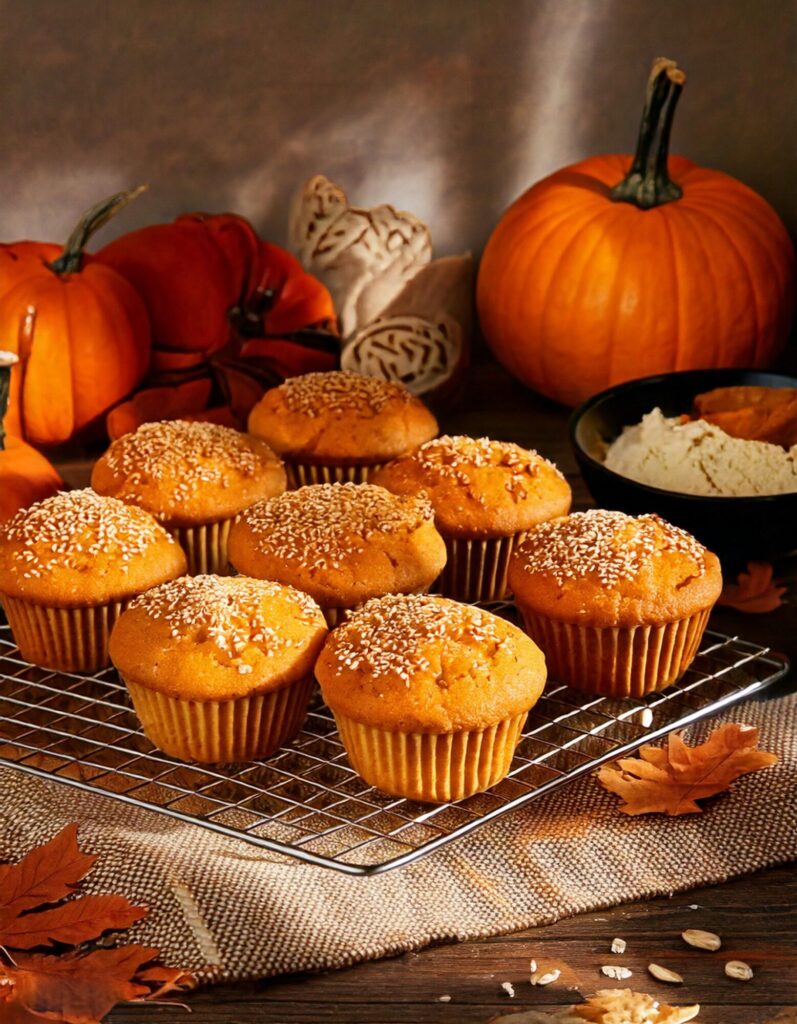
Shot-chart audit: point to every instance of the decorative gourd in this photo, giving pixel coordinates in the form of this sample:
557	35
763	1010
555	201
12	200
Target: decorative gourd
25	474
80	331
592	277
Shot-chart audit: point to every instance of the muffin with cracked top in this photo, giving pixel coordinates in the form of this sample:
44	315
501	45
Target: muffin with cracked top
194	478
339	426
429	695
69	565
618	603
341	543
219	668
485	495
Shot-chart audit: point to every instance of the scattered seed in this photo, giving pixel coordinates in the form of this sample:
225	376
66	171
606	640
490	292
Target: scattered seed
618	945
701	940
444	999
615	972
739	970
509	988
665	974
546	977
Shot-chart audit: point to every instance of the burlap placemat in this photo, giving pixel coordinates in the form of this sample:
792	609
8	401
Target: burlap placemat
221	907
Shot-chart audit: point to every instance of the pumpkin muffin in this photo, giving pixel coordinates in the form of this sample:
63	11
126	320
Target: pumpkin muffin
69	565
219	668
429	695
341	543
618	604
485	495
338	426
194	478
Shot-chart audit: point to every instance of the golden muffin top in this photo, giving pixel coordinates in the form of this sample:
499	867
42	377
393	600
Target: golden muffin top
428	664
218	637
605	568
480	487
188	473
341	416
342	543
79	548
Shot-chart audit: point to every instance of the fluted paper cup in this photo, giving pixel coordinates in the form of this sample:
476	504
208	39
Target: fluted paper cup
300	474
476	570
205	547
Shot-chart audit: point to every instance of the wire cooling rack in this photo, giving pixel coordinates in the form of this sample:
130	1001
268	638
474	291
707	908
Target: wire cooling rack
305	802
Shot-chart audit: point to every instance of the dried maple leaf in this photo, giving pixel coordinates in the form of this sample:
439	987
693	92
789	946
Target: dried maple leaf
671	779
623	1006
754	591
75	987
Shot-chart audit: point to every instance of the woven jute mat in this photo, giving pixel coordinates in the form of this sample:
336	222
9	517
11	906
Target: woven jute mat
229	911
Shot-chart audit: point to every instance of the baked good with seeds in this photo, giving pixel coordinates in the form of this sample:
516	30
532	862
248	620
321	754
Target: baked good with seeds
69	565
341	543
485	495
429	695
194	478
339	426
618	603
219	668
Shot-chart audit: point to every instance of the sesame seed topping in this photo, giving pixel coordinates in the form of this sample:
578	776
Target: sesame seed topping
187	456
454	458
340	391
388	635
228	611
329	521
72	528
610	545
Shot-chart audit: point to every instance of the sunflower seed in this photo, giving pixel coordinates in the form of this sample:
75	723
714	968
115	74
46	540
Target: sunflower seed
546	978
739	969
509	988
665	974
444	999
701	940
618	973
618	945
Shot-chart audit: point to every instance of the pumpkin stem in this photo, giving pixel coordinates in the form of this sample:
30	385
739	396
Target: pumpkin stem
647	183
7	360
93	219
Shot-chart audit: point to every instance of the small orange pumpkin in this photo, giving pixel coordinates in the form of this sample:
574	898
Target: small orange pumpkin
592	278
25	474
80	329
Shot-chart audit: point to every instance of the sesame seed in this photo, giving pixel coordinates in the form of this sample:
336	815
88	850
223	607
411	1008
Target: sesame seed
70	529
340	391
388	634
610	545
331	520
228	611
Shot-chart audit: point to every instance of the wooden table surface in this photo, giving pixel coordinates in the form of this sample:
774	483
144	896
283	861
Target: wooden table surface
756	916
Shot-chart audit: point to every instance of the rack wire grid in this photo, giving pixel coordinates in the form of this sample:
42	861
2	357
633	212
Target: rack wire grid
305	801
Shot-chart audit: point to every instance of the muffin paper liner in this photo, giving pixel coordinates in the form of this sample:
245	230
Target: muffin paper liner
476	570
300	474
429	767
205	547
242	729
617	661
67	639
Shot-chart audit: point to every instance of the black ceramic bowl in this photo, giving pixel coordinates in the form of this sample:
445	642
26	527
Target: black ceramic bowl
737	529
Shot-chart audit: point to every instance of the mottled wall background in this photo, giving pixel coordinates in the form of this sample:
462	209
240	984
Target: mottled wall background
445	107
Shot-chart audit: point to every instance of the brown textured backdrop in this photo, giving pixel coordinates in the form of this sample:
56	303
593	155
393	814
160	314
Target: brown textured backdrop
446	107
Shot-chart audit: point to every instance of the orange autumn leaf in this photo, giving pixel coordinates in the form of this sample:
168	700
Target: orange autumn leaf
671	779
77	986
754	591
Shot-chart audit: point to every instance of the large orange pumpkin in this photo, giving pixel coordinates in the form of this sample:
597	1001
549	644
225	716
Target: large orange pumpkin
599	274
80	330
25	474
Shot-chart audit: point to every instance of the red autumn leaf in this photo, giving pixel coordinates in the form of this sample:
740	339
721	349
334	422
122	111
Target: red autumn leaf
75	987
288	358
671	779
754	591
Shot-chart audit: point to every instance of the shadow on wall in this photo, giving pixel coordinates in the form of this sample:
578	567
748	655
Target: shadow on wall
449	108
